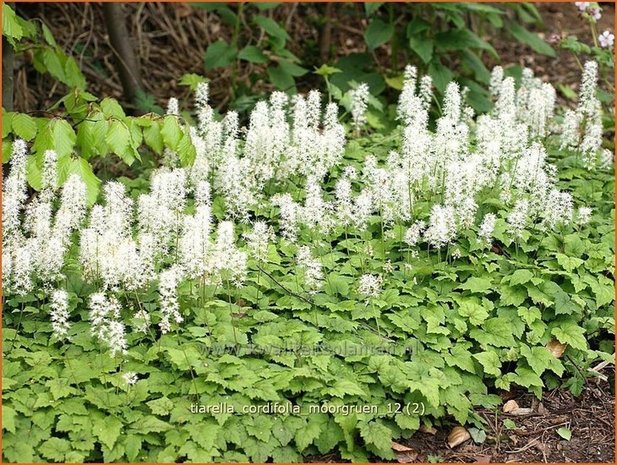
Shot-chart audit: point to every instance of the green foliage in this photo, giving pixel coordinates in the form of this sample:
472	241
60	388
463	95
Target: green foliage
456	332
47	56
448	39
453	332
91	131
219	55
267	48
605	59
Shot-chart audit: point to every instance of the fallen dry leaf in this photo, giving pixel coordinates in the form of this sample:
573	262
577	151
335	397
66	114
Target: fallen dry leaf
541	409
457	436
428	430
482	458
556	348
400	447
404	454
510	406
406	457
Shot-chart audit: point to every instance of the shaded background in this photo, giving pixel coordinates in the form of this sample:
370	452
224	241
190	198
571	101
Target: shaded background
170	40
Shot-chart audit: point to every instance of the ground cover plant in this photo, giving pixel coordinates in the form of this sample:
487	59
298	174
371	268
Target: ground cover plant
390	280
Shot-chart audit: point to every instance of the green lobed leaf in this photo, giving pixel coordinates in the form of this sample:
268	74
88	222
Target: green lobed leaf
219	54
377	33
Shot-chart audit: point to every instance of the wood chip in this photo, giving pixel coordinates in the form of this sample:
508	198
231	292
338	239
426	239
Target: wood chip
512	408
457	436
522	411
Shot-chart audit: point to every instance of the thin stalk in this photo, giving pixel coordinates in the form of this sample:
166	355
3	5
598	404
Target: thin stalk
286	289
594	34
258	282
234	43
21	314
376	319
186	357
233	326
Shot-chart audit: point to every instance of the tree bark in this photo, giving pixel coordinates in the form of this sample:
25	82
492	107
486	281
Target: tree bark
7	75
8	72
121	43
325	40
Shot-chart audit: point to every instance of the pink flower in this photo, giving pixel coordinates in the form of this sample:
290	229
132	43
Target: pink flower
582	6
606	39
595	13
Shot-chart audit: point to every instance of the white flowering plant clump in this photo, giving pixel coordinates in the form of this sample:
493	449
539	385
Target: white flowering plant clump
445	249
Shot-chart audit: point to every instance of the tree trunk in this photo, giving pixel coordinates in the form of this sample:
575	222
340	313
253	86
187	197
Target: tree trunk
325	40
7	75
121	43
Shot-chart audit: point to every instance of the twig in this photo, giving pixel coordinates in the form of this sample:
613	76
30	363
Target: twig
286	289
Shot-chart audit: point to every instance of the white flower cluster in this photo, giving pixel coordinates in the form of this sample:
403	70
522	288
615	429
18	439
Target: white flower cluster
283	139
35	238
169	235
582	128
258	239
606	39
106	324
59	313
313	274
591	9
359	103
130	378
123	245
508	153
370	285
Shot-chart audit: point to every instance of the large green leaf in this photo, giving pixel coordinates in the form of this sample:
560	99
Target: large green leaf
570	333
423	47
461	39
281	78
440	74
219	55
530	38
253	54
11	29
24	126
272	28
378	33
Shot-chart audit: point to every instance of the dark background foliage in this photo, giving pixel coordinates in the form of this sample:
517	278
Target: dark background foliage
247	50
